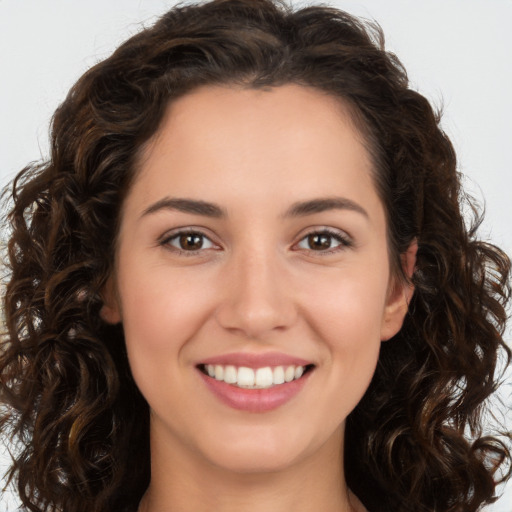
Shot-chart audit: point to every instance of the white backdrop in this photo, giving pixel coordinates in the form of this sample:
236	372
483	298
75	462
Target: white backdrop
457	52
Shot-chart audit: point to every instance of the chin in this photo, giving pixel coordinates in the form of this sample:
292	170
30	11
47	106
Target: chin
266	451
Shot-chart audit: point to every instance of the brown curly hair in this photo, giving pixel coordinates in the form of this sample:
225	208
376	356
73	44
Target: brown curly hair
415	442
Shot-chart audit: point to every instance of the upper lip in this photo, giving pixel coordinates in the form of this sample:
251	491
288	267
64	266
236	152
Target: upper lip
253	360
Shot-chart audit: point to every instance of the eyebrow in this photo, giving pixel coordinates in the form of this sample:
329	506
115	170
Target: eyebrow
186	206
299	209
320	205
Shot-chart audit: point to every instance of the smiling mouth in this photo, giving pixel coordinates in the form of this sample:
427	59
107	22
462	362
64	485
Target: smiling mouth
255	378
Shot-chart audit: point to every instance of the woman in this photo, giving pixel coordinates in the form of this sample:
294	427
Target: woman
243	281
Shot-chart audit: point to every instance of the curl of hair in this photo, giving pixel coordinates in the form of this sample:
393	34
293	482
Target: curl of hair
416	441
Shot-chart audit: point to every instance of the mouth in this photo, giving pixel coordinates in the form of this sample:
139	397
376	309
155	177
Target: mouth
265	377
255	382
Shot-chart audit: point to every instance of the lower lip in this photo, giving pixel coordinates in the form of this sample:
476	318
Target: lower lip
254	400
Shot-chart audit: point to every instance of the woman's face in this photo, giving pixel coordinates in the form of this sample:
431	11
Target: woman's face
252	248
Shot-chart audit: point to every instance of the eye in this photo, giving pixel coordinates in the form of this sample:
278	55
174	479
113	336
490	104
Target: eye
188	241
324	241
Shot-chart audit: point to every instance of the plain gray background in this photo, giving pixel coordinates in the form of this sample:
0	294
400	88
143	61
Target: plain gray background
457	52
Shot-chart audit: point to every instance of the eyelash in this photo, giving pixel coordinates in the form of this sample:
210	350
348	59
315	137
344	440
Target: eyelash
166	242
343	240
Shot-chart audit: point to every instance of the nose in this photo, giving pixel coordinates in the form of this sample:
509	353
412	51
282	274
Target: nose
257	299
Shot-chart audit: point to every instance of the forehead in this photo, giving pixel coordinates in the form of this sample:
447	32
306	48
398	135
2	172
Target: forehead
279	141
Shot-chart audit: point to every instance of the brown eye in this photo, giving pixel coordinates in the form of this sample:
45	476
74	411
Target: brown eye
191	242
188	241
319	241
325	241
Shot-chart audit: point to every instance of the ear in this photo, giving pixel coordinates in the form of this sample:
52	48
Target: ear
110	312
399	295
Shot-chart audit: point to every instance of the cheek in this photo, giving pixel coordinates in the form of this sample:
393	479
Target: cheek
161	311
348	306
346	317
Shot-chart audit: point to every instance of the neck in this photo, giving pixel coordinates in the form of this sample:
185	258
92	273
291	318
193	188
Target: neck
183	483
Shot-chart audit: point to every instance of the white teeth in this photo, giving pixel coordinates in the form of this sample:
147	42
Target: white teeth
230	375
264	378
278	375
245	377
219	372
289	374
260	378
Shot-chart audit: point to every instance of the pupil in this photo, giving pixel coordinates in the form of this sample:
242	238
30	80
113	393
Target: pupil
191	242
319	241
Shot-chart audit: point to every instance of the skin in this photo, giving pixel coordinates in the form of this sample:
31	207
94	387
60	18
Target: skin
258	284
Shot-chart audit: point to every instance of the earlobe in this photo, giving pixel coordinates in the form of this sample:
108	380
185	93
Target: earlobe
400	295
110	311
